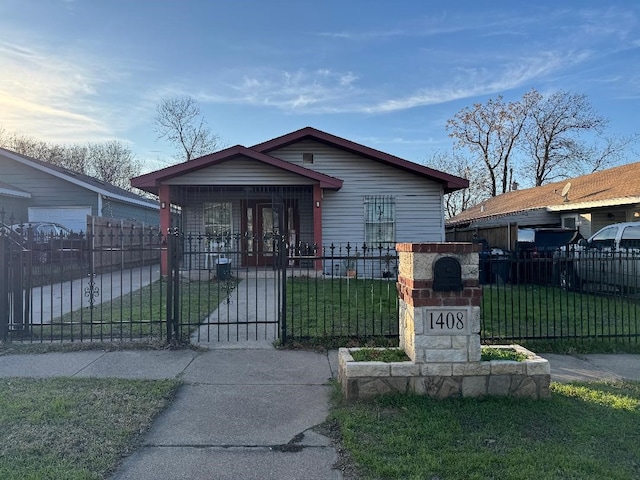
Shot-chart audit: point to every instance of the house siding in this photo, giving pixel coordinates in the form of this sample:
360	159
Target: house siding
13	210
46	190
419	210
240	171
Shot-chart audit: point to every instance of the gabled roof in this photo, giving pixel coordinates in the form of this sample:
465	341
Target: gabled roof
260	152
150	181
612	187
85	181
451	183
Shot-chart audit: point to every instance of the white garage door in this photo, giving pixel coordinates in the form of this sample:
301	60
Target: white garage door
74	218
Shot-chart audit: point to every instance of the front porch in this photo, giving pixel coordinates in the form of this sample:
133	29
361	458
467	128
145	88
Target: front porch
244	226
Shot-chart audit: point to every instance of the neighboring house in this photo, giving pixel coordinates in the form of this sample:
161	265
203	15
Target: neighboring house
588	203
32	190
318	188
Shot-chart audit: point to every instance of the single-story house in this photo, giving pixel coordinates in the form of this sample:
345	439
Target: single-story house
317	188
587	203
32	190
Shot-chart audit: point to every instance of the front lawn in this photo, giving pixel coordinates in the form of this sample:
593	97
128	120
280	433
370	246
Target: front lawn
74	429
548	318
585	431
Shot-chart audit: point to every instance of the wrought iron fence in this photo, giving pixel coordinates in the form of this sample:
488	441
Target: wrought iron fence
74	287
569	294
108	285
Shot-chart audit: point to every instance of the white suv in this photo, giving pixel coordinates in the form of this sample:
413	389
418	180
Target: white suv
609	259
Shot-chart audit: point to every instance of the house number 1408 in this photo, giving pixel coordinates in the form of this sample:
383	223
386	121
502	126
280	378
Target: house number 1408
449	320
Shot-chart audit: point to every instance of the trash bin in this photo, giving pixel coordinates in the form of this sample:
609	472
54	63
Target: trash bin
500	268
223	268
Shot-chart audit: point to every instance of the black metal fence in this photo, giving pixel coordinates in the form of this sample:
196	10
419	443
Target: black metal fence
75	287
573	294
108	286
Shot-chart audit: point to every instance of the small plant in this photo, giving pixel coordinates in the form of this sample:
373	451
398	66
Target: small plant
351	264
490	353
379	355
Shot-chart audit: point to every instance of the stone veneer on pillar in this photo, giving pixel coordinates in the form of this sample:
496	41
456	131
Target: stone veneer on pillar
438	326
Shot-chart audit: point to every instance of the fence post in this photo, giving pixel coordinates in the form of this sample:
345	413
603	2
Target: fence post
173	286
284	261
4	290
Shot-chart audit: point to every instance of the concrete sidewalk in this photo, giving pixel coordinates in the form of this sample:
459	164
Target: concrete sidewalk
241	414
247	413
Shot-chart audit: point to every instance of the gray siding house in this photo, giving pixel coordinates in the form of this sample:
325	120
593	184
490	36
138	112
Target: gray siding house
316	188
32	190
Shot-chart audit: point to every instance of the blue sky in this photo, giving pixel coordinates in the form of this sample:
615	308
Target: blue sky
387	74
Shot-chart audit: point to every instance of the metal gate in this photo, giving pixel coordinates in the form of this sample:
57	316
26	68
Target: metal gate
226	288
14	299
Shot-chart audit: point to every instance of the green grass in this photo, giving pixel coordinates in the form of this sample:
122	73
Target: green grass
379	355
139	314
340	307
489	353
585	431
74	429
547	318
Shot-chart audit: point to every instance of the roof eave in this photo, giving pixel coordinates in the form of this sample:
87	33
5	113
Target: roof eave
611	202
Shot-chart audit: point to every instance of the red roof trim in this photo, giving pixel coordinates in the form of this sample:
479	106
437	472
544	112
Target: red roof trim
451	183
150	181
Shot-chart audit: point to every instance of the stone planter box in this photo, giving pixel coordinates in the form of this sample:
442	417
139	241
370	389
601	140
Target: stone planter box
366	380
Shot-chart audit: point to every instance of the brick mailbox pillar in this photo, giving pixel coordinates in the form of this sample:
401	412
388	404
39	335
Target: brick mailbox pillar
439	295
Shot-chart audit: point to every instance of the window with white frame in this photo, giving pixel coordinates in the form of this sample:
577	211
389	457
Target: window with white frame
379	219
217	219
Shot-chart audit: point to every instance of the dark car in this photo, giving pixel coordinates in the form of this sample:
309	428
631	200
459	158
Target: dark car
535	250
49	241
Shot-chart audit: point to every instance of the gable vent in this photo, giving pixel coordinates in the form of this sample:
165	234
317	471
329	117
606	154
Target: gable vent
307	158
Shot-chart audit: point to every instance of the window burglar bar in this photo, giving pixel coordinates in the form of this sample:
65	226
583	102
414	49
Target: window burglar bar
379	214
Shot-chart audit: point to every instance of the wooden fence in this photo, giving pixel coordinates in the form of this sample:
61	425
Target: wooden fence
502	236
118	243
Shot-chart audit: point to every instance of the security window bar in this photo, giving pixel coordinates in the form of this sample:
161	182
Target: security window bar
217	219
380	219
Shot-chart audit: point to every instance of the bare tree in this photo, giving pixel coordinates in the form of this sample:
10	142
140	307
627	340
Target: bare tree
179	121
552	135
490	131
113	163
109	161
461	166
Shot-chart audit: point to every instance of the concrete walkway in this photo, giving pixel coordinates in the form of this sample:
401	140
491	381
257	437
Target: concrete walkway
51	301
241	414
248	318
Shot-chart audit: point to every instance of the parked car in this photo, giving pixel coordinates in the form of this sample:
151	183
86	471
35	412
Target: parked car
49	241
535	249
609	260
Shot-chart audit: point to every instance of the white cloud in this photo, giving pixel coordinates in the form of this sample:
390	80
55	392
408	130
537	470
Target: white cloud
50	96
329	91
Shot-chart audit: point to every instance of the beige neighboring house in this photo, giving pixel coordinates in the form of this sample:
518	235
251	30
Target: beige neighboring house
588	203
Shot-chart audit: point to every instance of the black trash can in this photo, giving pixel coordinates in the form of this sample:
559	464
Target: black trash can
223	268
500	268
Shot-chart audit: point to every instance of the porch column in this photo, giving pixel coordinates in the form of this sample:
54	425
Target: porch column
317	222
165	223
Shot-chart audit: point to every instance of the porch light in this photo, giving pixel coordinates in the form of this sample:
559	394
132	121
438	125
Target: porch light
163	205
318	204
